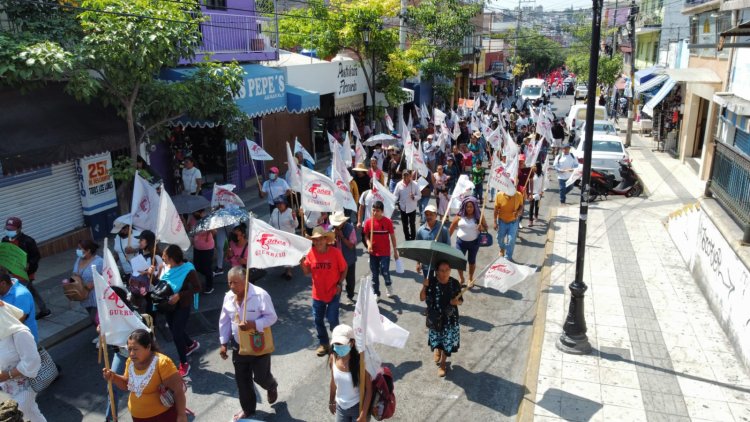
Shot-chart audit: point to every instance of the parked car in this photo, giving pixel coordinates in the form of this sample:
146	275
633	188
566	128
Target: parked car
601	127
607	151
578	113
580	92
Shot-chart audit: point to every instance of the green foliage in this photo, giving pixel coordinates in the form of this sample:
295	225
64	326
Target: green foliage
538	53
580	52
123	170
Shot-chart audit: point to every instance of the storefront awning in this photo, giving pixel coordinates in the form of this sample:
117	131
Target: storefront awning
694	75
644	75
300	101
348	104
659	97
494	81
650	83
733	103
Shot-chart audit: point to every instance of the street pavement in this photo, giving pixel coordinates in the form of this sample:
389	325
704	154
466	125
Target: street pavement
658	352
485	377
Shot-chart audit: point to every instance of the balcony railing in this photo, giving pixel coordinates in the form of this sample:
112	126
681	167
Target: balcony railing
230	33
692	3
730	184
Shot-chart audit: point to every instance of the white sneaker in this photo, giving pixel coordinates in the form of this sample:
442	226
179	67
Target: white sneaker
389	291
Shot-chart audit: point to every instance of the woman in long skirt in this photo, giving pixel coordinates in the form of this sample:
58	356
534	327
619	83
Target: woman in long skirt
441	292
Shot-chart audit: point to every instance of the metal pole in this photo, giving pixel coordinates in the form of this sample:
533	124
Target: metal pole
614	34
402	27
574	339
633	99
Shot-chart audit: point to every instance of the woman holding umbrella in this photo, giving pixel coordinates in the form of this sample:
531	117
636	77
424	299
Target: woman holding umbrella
442	294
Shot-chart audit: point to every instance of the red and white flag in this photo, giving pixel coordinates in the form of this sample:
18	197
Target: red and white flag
294	176
299	148
439	117
495	138
456	130
109	269
170	228
341	177
503	274
256	152
270	247
224	196
353	127
388	121
464	187
418	161
382	194
319	193
144	208
499	178
359	152
338	162
577	174
116	320
346	152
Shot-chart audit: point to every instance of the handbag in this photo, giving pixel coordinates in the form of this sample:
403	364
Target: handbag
48	372
160	296
254	343
74	289
484	239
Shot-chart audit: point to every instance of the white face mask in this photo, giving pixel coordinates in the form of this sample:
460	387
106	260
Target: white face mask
272	176
79	253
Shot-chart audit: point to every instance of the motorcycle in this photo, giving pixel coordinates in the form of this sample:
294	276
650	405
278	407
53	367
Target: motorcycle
604	184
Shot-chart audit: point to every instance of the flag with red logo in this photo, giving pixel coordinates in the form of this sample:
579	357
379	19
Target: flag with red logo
319	192
388	122
338	162
294	176
359	152
346	151
109	269
495	138
170	228
116	319
144	208
224	196
341	178
418	161
499	179
256	152
382	194
353	127
439	116
503	274
270	247
464	187
299	148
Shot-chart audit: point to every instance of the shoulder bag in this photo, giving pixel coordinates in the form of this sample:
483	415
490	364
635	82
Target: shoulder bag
74	289
48	372
254	343
160	296
484	239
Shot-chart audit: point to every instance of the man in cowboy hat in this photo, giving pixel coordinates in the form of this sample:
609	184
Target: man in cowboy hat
327	267
361	178
346	241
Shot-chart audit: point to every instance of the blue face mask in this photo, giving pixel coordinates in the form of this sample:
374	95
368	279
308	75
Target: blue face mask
11	233
342	349
79	253
272	176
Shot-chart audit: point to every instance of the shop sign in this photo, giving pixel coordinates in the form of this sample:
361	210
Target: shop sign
97	187
263	90
350	79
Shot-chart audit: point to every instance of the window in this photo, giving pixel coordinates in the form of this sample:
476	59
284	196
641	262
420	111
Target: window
607	146
704	32
216	4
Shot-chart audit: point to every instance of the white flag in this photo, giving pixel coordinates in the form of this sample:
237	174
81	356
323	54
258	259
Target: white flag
170	228
499	178
577	174
456	130
477	103
144	208
418	161
319	192
410	124
346	152
256	152
294	177
439	117
270	247
359	152
496	109
533	154
382	194
353	127
299	148
408	150
337	162
494	138
116	320
109	269
224	196
344	188
464	187
503	274
333	143
388	121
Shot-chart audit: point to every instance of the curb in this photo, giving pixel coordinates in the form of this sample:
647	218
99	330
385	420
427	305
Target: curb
528	403
65	333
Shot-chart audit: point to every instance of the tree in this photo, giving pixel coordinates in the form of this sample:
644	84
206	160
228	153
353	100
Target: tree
124	46
340	25
538	53
580	51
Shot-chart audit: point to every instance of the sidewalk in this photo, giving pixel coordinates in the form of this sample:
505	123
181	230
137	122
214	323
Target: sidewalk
658	351
68	318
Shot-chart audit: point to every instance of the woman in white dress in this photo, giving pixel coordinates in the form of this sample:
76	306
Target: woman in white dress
19	361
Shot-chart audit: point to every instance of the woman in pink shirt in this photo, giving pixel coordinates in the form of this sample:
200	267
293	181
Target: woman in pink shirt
238	246
203	251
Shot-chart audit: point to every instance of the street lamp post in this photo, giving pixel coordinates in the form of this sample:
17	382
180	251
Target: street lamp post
477	56
573	339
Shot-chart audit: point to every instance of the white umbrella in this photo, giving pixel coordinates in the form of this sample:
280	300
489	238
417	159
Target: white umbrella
381	138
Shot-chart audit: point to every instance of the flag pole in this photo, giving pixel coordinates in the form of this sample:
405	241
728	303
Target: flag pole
247	274
103	348
257	176
362	357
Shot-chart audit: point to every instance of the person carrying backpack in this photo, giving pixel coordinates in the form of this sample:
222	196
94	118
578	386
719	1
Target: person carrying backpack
343	400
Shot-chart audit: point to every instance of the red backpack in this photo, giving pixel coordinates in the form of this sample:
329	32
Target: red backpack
383	404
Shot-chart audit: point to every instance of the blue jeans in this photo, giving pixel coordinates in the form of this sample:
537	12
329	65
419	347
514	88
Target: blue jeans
509	230
392	184
564	189
380	265
118	367
325	310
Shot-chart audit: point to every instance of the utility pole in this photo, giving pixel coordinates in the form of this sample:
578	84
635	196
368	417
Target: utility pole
573	340
614	34
402	28
633	98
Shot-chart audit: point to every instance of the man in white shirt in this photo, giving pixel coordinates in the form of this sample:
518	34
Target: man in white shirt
565	163
407	194
125	247
273	188
192	179
430	149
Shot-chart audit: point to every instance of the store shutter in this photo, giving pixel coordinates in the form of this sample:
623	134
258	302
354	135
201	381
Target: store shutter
46	200
742	141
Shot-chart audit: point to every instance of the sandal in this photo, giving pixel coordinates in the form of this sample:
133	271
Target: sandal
239	415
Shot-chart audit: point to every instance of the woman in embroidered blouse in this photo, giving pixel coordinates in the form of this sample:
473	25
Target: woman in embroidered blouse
19	361
87	257
145	370
183	280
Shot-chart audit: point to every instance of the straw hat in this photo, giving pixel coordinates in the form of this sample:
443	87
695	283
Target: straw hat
320	232
338	218
360	167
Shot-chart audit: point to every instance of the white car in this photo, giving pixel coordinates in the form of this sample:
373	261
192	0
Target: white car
601	127
607	151
580	92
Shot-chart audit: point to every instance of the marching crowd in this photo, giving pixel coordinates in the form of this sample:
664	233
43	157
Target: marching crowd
455	150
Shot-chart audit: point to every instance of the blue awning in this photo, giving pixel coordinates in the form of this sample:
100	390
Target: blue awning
651	83
644	75
659	97
301	101
263	89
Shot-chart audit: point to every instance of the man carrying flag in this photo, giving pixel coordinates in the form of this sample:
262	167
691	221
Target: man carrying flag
378	229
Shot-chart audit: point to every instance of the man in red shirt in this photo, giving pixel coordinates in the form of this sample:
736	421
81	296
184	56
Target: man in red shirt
378	229
328	269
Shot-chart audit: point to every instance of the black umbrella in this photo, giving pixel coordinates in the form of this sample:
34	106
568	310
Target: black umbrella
429	252
185	204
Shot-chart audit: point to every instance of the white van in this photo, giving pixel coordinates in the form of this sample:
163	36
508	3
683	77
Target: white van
532	89
578	114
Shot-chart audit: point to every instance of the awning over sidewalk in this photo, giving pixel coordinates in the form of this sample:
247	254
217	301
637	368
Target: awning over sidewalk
644	75
693	75
650	84
347	105
733	103
659	97
301	101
